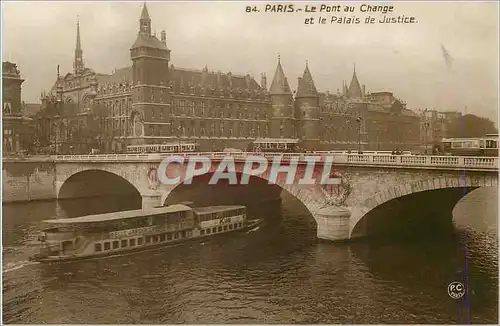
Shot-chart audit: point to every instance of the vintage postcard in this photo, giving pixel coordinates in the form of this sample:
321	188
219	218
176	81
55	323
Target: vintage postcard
233	162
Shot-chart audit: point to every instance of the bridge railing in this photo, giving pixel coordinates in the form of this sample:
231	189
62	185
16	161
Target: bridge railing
457	162
421	161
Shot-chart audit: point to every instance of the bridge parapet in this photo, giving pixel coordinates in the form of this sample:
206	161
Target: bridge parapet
470	163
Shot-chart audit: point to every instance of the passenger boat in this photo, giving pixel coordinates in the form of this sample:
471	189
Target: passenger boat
136	230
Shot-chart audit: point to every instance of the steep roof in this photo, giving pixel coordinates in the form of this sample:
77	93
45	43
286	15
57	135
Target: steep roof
306	86
185	77
145	13
118	76
148	41
280	83
354	89
206	78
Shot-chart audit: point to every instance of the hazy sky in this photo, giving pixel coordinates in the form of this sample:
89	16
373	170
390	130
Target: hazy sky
404	58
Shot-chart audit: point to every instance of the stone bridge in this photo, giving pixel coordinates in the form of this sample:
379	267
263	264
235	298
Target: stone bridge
372	192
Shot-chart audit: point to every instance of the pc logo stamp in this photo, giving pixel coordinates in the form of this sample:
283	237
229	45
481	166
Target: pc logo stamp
456	290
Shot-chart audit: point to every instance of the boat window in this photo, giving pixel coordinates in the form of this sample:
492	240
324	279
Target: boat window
169	236
214	230
140	241
219	229
116	244
124	243
107	245
202	232
235	225
225	227
97	247
208	231
230	226
132	242
162	237
148	239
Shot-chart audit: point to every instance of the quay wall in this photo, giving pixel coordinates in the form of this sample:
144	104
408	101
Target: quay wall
28	181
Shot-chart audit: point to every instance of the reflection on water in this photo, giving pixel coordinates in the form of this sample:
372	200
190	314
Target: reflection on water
276	274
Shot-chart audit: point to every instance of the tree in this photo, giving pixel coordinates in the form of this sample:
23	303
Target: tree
470	125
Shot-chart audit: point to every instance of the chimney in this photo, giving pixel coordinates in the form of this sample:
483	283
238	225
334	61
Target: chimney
164	37
263	80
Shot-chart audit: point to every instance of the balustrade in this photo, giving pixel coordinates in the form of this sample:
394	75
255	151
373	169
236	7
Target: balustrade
469	162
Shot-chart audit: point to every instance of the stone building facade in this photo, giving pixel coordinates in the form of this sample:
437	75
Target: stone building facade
154	101
17	127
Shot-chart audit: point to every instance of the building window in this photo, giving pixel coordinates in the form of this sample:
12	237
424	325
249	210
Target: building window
107	246
202	129
124	243
202	232
169	236
140	241
132	242
162	237
116	244
181	107
202	113
214	230
98	247
241	130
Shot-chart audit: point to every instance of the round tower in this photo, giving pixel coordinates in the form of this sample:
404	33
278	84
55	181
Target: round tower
307	108
282	117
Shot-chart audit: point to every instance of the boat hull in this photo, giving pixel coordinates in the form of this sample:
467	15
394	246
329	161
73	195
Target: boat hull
56	259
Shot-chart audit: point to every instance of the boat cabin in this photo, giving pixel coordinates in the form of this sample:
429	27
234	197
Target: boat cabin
64	236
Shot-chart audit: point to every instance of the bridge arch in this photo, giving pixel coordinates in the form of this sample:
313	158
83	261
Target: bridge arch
426	197
94	183
311	197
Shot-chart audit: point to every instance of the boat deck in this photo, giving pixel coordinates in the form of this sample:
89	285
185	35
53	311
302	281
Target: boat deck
217	209
120	215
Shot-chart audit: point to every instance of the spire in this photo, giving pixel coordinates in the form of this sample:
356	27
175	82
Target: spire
280	84
145	14
306	86
78	64
78	41
145	22
354	90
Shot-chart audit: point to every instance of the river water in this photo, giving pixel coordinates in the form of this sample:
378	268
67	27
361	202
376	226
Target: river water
278	273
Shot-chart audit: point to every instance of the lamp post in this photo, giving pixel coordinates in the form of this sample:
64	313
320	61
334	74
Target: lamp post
426	126
358	120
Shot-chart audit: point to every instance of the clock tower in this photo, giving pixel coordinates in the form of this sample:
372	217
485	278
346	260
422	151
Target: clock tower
150	75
